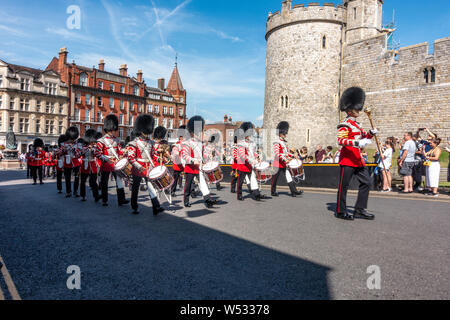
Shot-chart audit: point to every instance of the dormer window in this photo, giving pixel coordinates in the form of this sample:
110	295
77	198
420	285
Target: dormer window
136	90
25	84
84	80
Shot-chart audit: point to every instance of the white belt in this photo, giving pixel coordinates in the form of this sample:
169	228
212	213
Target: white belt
143	160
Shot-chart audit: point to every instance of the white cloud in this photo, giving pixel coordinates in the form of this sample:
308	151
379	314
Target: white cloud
70	35
13	31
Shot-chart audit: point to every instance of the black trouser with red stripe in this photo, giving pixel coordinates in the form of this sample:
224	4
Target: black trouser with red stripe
59	176
176	178
92	183
240	182
35	171
363	176
234	179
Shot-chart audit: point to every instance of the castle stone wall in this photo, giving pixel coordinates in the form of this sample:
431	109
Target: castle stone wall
396	88
298	67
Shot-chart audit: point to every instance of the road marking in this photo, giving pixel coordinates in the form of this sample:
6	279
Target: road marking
9	282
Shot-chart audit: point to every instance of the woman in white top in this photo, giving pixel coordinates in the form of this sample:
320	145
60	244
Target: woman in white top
433	166
386	163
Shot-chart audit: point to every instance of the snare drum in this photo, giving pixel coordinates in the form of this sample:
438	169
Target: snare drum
296	168
123	168
213	173
263	172
161	178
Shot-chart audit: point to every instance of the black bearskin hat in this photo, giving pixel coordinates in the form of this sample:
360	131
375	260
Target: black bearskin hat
352	99
98	135
283	127
144	125
246	126
72	133
181	130
212	139
38	143
90	136
81	141
62	138
192	122
160	133
111	123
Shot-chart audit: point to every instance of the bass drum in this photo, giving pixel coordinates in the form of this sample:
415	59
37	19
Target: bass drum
161	178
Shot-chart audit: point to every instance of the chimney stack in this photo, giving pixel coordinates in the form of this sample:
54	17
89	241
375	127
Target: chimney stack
140	76
101	65
62	59
225	119
162	84
123	70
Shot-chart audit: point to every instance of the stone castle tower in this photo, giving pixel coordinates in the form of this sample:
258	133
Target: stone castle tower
315	52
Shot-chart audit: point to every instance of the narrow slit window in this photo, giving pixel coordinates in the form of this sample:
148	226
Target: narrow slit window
433	75
354	13
324	42
425	75
287	102
282	102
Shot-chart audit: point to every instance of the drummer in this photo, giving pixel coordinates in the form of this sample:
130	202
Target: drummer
178	166
212	153
192	154
141	157
246	160
160	150
282	159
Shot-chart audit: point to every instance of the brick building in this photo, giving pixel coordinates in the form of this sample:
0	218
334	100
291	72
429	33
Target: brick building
94	93
33	103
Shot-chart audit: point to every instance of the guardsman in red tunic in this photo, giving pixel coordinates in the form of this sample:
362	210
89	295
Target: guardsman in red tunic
89	166
192	155
234	166
109	152
58	155
247	159
70	153
353	138
37	160
141	157
160	156
213	152
178	166
281	160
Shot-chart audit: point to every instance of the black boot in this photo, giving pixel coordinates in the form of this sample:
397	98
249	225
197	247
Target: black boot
209	202
121	197
256	195
344	216
363	214
239	197
293	189
157	209
275	194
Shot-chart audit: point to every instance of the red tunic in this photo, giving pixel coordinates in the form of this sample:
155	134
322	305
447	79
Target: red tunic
281	153
189	156
234	153
88	161
140	159
37	158
108	148
349	134
244	159
176	157
70	154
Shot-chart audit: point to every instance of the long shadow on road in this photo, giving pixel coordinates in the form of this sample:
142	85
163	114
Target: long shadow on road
138	257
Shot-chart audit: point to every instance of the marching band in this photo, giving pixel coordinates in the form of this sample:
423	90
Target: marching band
142	162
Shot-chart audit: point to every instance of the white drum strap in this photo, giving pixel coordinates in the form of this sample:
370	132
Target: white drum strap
151	190
203	185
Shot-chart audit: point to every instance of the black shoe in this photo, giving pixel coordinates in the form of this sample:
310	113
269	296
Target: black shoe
135	212
275	194
68	195
209	203
344	216
262	196
219	188
299	192
41	182
59	191
105	204
98	199
257	197
294	195
233	191
83	199
187	205
240	198
363	214
34	183
157	210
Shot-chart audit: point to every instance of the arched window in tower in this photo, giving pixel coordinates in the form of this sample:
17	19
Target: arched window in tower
425	75
287	102
324	42
354	13
433	75
282	102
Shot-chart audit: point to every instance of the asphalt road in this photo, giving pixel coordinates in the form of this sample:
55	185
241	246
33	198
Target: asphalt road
281	248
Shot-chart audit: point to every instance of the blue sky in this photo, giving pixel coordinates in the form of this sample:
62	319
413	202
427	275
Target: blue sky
220	44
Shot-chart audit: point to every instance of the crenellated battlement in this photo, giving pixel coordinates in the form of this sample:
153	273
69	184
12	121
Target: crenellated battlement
301	13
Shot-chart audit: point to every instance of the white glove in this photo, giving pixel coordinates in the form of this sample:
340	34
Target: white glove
364	143
374	131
